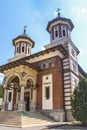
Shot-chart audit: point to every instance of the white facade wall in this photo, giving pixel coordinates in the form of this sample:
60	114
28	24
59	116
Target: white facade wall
45	56
47	103
74	82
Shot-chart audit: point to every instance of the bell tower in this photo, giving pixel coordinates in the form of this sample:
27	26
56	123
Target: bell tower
59	28
23	45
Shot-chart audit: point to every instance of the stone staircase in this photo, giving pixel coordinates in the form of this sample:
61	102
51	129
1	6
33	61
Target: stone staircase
14	118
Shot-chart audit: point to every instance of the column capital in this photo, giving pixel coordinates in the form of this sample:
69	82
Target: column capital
22	85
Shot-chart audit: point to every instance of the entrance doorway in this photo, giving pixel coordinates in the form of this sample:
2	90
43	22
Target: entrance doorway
27	100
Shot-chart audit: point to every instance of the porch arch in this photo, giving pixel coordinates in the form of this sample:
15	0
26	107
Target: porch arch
29	77
10	77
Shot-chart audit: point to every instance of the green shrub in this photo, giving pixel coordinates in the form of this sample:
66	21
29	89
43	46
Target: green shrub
79	102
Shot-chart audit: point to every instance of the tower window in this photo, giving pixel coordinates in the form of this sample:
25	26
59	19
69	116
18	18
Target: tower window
63	31
23	48
56	32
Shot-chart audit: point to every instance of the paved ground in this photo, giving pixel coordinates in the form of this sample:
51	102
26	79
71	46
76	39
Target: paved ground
24	128
54	126
31	127
67	127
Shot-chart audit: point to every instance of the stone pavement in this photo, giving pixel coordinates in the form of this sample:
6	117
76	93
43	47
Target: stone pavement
24	128
32	121
34	127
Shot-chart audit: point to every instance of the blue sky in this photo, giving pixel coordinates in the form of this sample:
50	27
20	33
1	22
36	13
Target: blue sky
35	14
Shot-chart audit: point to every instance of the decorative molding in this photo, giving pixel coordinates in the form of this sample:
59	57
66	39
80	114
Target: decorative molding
49	70
23	74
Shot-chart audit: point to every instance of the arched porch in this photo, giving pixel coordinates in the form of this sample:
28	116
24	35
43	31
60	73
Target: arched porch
19	94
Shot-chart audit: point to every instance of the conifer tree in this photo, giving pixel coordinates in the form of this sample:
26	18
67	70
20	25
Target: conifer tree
79	102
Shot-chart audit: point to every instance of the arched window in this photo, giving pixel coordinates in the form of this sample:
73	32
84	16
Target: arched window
23	48
28	48
43	65
29	84
56	32
63	31
50	64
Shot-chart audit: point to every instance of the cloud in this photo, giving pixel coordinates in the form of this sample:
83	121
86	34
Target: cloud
1	77
83	53
55	13
79	13
82	58
38	15
43	48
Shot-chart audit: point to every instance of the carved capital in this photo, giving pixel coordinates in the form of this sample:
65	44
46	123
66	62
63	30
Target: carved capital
22	85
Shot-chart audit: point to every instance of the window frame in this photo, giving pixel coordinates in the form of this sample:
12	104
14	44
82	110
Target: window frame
23	48
47	92
17	49
56	32
63	28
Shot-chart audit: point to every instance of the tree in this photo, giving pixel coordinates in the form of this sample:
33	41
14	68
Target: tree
1	91
79	102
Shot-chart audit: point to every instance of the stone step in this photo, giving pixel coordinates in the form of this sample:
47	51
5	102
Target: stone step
23	118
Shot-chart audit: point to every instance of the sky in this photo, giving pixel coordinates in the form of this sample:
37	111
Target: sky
35	14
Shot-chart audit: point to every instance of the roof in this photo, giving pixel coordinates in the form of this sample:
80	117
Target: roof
60	18
16	63
58	47
23	61
23	37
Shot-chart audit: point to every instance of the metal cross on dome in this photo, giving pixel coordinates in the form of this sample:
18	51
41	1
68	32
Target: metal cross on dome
25	30
58	12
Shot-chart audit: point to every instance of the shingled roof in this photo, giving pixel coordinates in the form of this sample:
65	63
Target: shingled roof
57	19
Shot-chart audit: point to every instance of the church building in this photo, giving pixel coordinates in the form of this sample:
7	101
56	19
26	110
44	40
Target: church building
43	81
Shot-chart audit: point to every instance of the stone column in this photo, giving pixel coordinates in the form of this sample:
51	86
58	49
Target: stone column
5	95
22	94
21	103
33	102
5	104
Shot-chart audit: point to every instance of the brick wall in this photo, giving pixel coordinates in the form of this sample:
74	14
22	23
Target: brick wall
39	92
56	71
58	100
